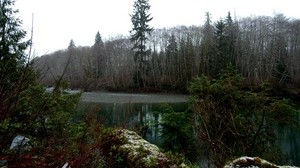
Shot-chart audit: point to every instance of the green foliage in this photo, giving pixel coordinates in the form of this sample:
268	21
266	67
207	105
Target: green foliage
71	44
17	79
178	159
98	39
12	54
27	108
208	48
235	122
139	32
177	132
15	74
141	28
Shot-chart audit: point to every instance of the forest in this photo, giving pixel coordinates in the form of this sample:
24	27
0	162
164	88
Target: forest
235	72
261	48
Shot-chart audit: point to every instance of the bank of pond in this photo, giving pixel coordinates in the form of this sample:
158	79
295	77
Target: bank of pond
174	133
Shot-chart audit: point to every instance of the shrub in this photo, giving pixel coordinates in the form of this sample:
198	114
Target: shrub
177	132
234	122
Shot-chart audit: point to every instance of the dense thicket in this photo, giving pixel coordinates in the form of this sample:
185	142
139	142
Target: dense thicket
262	48
230	121
28	110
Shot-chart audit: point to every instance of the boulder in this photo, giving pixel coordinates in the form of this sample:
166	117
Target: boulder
135	151
3	164
253	162
19	142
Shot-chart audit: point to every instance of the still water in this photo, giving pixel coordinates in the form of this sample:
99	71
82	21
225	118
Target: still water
134	114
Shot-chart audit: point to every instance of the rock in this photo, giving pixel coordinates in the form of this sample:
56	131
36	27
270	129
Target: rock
66	165
19	142
3	164
253	162
136	151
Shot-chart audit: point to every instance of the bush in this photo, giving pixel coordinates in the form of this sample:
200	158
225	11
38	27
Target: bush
177	133
234	122
42	116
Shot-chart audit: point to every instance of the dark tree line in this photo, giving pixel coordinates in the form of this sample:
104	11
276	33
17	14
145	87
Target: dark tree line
262	48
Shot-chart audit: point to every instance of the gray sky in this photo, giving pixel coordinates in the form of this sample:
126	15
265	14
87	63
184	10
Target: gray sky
56	22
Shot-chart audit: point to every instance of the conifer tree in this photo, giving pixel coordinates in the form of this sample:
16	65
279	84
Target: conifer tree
16	73
99	58
12	49
25	106
231	31
71	44
221	43
225	34
208	48
140	20
171	56
98	39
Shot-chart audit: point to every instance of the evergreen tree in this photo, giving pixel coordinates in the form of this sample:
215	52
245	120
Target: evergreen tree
172	56
190	58
140	20
26	107
99	59
221	41
182	62
16	73
98	39
71	44
208	48
12	54
225	34
231	30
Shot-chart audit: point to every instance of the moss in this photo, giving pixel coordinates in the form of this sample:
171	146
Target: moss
253	162
135	151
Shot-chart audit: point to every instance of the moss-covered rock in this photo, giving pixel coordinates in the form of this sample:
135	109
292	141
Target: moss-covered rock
253	162
132	150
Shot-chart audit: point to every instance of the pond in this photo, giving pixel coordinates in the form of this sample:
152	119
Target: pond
133	111
290	145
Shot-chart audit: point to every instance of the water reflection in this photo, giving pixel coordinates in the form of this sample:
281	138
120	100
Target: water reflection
131	116
290	146
136	115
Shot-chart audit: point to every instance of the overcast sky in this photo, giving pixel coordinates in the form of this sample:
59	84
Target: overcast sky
56	22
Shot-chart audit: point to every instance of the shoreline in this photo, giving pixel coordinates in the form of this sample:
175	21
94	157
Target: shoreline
112	97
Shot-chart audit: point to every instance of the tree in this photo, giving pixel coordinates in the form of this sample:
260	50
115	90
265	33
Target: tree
71	44
232	122
278	45
11	48
208	48
98	39
140	19
189	59
225	35
171	56
183	141
231	31
99	58
221	59
26	108
13	67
